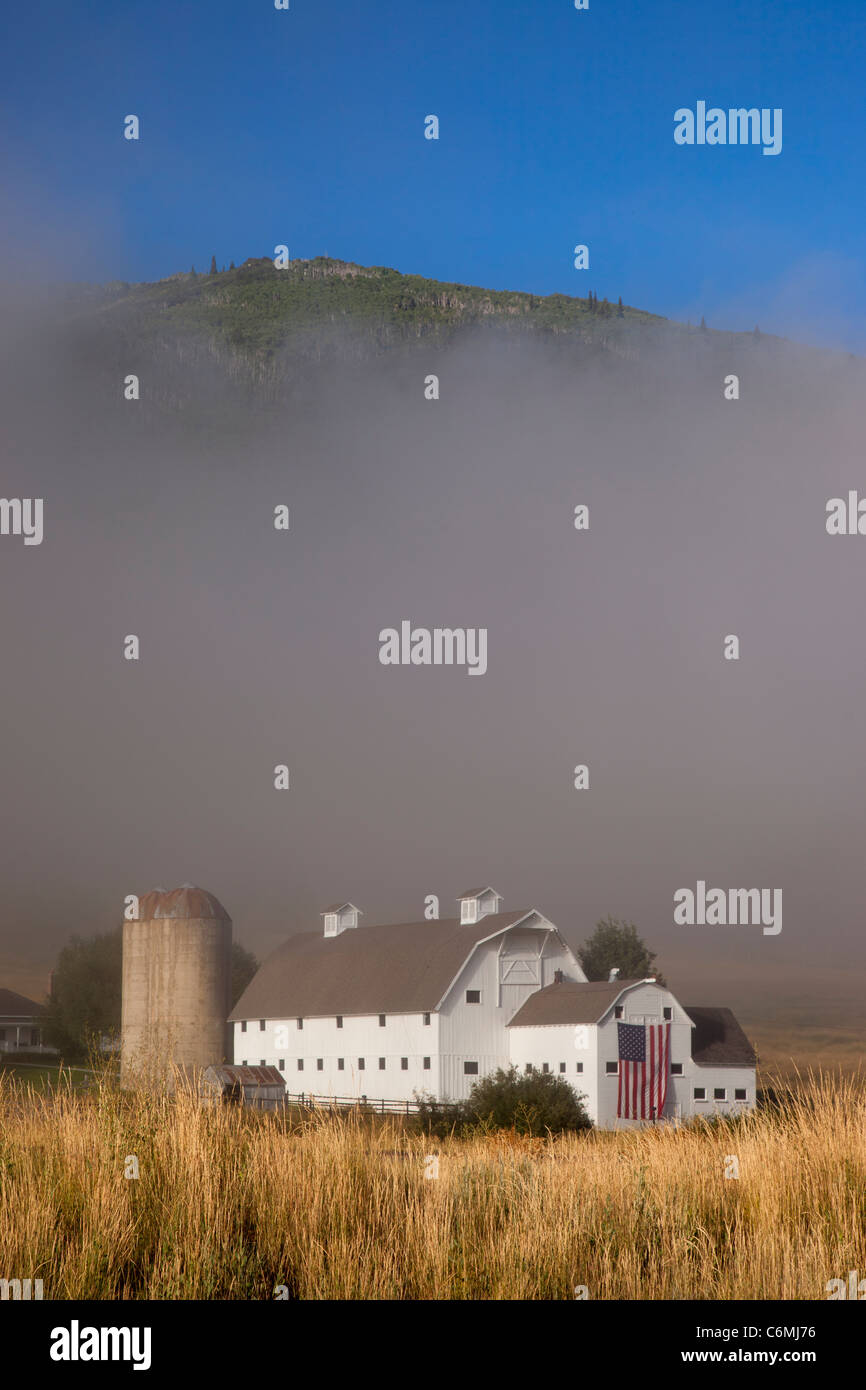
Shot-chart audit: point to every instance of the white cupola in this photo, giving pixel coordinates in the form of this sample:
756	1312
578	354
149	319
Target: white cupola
339	917
478	903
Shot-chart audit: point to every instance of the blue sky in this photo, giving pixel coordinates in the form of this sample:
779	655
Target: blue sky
306	127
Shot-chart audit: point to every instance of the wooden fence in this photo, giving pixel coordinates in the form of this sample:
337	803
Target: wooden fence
307	1100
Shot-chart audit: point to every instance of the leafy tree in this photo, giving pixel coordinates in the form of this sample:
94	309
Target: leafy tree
85	997
616	943
244	967
213	266
85	1002
531	1103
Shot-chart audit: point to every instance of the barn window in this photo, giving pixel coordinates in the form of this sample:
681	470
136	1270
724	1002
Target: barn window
404	1063
261	1025
426	1063
426	1020
611	1068
282	1064
243	1026
360	1064
580	1066
676	1068
341	1064
740	1093
545	1067
245	1063
617	1013
381	1063
300	1023
339	1020
263	1063
699	1093
320	1064
719	1093
381	1020
562	1066
667	1013
300	1064
470	1068
473	996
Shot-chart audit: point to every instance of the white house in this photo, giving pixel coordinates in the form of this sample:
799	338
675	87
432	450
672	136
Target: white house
21	1024
390	1011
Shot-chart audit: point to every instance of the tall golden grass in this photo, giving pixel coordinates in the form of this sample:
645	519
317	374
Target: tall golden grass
231	1204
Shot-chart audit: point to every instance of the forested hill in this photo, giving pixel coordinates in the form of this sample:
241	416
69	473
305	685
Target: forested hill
256	332
258	308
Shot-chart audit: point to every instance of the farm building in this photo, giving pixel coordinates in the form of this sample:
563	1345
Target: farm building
262	1088
389	1011
20	1024
176	985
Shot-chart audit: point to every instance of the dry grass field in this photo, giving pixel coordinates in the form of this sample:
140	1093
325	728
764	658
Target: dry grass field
231	1204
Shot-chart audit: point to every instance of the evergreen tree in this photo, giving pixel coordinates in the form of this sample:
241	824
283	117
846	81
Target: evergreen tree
192	270
213	265
619	309
757	332
703	324
231	265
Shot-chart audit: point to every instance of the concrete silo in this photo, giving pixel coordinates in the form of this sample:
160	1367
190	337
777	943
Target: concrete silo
176	985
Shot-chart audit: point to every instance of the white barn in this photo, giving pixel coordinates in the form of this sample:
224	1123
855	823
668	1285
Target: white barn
390	1011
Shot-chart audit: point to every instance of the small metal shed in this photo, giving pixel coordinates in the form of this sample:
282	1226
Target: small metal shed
261	1087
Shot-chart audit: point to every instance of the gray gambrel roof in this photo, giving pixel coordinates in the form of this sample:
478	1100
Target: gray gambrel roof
402	968
569	1002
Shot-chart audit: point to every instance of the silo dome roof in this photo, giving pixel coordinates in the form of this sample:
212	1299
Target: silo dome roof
186	901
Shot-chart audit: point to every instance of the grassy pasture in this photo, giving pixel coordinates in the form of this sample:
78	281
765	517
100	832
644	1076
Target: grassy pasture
230	1204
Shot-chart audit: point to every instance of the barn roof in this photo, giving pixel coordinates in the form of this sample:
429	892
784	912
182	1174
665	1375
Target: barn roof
402	968
718	1039
569	1002
14	1005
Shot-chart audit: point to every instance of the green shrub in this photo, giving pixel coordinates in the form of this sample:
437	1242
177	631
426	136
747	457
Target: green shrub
531	1103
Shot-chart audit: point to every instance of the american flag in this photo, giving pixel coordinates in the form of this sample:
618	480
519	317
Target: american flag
644	1064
